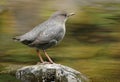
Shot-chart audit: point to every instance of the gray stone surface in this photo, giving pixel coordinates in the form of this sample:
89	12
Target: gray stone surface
49	73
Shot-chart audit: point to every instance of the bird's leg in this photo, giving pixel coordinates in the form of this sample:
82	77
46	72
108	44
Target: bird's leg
50	60
39	55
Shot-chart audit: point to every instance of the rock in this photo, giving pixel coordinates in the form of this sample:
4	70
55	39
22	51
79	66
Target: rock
49	73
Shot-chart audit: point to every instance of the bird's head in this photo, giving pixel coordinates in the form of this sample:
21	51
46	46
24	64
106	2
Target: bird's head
61	15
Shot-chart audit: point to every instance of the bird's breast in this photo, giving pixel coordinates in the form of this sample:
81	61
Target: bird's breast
61	33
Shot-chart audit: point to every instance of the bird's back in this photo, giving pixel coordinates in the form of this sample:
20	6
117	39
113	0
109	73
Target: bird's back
31	35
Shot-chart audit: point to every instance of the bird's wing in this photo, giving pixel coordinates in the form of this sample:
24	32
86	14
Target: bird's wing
47	35
30	36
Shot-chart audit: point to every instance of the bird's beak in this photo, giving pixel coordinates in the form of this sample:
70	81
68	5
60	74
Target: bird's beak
71	14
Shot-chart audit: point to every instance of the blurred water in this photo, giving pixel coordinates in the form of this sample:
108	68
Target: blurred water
92	38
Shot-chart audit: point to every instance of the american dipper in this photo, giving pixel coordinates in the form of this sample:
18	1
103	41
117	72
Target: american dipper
47	34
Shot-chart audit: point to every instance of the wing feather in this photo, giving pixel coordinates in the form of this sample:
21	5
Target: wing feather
47	35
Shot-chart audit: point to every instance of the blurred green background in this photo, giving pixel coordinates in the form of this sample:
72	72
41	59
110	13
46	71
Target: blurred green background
91	44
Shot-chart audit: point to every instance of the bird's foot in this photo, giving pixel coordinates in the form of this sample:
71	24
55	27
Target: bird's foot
45	62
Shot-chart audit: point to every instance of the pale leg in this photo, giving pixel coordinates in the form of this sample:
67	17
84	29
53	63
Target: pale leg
39	55
50	60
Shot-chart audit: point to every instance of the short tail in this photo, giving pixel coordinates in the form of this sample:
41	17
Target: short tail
16	38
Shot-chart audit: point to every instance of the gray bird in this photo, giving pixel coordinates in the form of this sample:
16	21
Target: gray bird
47	34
